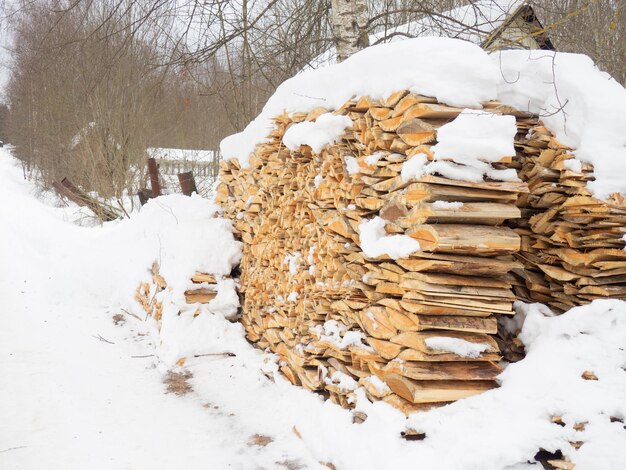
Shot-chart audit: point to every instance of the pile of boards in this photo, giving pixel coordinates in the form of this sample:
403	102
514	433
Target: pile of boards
572	243
148	292
416	331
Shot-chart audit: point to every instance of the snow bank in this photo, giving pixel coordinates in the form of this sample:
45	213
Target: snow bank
184	236
455	72
375	241
325	130
580	104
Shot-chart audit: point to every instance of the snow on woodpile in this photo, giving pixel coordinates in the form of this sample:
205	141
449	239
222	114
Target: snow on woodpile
455	72
395	190
581	105
578	103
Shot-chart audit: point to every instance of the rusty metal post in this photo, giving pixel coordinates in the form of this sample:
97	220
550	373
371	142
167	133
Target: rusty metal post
187	183
153	171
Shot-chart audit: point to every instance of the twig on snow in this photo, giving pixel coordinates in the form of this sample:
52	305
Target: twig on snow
132	314
103	339
12	448
223	354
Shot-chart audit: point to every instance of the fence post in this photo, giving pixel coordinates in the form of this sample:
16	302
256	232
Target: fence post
153	171
187	183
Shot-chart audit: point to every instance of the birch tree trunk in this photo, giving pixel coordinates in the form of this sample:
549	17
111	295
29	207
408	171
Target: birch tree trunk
349	20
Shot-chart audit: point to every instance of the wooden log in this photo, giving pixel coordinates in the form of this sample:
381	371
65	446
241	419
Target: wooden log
476	370
431	110
200	295
406	406
73	193
458	264
418	341
429	391
204	277
477	213
469	239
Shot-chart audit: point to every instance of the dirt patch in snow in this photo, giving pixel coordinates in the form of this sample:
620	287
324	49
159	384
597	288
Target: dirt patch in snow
177	382
260	440
291	464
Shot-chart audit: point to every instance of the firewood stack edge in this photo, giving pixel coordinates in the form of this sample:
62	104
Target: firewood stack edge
572	243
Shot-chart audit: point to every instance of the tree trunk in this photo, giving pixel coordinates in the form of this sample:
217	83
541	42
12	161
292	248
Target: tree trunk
349	23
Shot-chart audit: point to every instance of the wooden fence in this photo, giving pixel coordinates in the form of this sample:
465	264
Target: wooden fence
200	169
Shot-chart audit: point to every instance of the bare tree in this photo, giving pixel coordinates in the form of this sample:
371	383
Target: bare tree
95	82
349	21
83	107
596	28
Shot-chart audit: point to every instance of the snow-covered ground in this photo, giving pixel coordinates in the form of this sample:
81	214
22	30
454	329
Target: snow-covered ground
78	391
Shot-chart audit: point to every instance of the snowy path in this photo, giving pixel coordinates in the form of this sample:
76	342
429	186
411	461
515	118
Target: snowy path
69	400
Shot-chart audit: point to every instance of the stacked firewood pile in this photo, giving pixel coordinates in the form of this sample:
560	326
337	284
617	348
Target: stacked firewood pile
572	243
413	331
